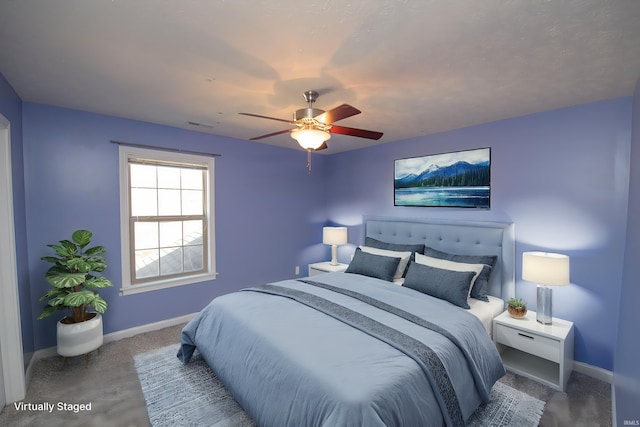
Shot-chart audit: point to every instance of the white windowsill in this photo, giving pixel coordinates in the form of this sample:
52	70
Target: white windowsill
164	284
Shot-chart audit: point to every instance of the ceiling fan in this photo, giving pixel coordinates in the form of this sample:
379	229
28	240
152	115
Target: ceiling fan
313	127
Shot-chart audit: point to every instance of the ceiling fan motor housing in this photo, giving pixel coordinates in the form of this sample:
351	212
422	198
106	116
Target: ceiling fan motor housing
306	113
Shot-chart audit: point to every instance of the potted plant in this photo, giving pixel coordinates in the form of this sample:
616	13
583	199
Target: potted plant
74	277
516	307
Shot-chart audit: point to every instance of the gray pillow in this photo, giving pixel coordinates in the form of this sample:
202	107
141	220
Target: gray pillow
452	286
481	286
378	266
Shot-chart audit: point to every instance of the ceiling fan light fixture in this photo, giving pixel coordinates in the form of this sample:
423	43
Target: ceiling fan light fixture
310	139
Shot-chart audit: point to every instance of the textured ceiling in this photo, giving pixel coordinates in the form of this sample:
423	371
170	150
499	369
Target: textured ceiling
412	67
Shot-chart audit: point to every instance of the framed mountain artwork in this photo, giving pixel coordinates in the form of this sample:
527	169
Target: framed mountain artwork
461	179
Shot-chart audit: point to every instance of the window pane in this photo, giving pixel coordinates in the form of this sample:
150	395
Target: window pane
144	202
170	261
168	202
170	234
168	177
192	179
143	176
146	263
192	202
192	232
193	258
145	235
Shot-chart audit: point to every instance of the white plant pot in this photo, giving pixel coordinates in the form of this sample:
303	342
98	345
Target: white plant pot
80	338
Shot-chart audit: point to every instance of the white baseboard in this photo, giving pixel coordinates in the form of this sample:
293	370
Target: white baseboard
156	326
614	414
594	372
113	336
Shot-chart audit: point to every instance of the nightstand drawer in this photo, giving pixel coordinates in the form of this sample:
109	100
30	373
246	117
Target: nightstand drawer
528	342
315	271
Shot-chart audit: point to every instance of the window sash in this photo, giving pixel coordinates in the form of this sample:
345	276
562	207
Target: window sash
159	220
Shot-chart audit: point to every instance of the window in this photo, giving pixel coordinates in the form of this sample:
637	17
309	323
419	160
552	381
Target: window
167	226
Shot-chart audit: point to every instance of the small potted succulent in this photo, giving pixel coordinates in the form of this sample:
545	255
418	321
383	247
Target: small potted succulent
74	277
516	307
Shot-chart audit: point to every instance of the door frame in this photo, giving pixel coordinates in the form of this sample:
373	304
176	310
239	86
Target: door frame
13	371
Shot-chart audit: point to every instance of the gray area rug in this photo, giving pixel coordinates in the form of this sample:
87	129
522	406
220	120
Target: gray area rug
192	395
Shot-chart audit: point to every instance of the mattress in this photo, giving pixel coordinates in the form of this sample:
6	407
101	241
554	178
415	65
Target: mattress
486	311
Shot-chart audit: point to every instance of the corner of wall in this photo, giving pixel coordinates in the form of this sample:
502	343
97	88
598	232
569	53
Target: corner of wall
626	388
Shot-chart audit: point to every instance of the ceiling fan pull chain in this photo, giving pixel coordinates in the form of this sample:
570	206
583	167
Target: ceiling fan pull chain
309	161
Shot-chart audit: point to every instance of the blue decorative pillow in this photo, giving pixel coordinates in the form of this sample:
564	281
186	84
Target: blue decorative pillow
452	286
481	285
381	267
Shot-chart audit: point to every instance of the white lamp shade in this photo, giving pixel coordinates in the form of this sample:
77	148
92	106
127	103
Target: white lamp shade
334	235
310	139
545	268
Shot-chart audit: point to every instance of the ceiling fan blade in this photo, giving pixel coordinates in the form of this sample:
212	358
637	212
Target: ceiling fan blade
360	133
270	134
340	112
324	146
267	117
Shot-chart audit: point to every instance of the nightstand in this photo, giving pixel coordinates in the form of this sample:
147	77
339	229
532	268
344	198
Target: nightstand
326	267
541	352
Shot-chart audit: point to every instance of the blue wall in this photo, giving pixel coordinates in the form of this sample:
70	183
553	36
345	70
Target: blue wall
561	176
266	208
627	369
11	109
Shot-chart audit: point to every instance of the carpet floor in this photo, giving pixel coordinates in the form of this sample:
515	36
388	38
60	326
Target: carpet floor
111	385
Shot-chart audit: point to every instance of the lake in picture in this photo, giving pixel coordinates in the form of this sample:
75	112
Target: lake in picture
459	179
466	197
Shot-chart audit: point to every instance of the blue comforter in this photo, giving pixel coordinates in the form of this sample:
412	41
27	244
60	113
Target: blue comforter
295	353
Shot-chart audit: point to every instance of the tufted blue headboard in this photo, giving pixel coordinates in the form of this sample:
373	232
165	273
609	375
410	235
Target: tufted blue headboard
458	237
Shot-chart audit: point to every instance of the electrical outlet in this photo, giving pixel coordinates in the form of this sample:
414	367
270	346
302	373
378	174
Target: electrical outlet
297	270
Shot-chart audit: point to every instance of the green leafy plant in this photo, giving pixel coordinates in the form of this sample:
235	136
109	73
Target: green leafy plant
73	278
516	302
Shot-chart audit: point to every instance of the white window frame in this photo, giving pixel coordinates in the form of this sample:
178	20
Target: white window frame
128	152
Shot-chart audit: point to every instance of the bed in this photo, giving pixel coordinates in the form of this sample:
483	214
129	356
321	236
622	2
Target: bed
349	349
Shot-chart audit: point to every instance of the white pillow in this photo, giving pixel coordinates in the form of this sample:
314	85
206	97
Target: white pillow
399	281
402	265
451	265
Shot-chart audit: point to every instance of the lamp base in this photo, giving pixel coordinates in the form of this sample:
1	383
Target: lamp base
334	255
543	312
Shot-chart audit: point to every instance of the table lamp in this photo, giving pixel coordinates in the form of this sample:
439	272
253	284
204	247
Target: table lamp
546	269
334	236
